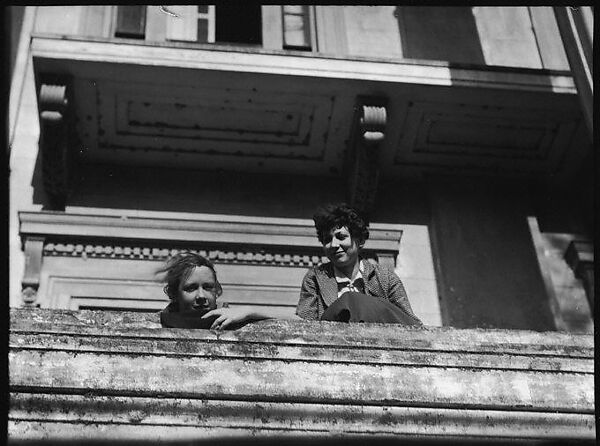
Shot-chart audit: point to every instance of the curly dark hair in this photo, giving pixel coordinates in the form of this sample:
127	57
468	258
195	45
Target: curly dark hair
179	267
332	216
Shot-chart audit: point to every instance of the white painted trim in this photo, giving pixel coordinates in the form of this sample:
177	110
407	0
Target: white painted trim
272	27
211	24
19	73
296	65
218	229
312	24
577	38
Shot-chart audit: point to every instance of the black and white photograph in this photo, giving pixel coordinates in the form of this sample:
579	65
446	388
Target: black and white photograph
245	223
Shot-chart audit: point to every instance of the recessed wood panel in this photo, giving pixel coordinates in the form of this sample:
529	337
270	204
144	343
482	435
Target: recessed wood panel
482	138
211	121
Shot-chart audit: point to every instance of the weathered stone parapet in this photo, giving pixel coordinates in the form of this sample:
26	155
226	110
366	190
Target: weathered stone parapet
118	375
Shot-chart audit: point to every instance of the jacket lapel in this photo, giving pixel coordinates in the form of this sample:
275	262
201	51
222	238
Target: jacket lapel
371	287
327	284
329	287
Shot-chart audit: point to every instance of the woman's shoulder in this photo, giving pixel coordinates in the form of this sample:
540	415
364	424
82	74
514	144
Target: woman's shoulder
383	273
171	308
319	270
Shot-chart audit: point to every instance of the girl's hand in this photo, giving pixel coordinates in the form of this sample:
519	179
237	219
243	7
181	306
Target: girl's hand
227	316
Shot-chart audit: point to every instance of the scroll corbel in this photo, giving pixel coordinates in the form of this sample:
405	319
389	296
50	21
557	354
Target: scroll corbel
55	139
33	247
362	162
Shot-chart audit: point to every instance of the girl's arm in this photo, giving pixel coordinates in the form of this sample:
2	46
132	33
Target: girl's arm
231	315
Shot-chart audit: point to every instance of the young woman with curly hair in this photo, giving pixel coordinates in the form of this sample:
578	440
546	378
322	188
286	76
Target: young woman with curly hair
349	288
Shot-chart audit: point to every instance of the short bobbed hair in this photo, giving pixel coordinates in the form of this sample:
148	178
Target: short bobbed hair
333	216
179	267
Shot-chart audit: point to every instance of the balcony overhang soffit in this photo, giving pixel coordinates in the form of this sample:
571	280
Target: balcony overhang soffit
260	111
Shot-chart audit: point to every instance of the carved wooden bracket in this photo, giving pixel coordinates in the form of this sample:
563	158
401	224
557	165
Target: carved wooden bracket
580	257
33	265
362	171
56	129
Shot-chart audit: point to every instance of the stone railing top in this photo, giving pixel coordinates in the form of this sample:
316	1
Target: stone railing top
324	334
116	375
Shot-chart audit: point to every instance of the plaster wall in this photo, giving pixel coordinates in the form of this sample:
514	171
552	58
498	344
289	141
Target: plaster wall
24	135
15	16
372	31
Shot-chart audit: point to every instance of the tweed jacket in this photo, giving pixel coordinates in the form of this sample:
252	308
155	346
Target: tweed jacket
319	290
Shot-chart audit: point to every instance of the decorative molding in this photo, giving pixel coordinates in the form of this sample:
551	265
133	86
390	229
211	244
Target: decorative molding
33	247
260	61
219	256
372	123
293	258
580	257
216	231
56	134
256	122
449	136
362	163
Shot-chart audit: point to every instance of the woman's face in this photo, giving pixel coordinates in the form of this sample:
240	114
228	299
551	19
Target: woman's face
199	291
341	248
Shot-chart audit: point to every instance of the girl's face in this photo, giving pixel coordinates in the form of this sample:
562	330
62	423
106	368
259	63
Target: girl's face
341	248
199	291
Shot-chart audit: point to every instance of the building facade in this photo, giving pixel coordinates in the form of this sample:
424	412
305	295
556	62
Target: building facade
138	131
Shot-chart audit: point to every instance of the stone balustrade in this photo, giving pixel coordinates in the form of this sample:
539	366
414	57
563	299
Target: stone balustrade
120	377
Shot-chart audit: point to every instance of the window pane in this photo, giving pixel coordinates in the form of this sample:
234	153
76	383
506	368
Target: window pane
202	30
238	22
296	27
440	33
294	9
131	21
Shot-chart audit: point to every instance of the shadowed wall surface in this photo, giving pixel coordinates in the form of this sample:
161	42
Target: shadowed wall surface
485	256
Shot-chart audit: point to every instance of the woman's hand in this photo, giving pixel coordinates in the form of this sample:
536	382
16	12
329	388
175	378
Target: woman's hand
228	316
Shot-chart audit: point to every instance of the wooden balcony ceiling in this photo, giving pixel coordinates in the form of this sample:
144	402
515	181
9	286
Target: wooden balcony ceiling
208	108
